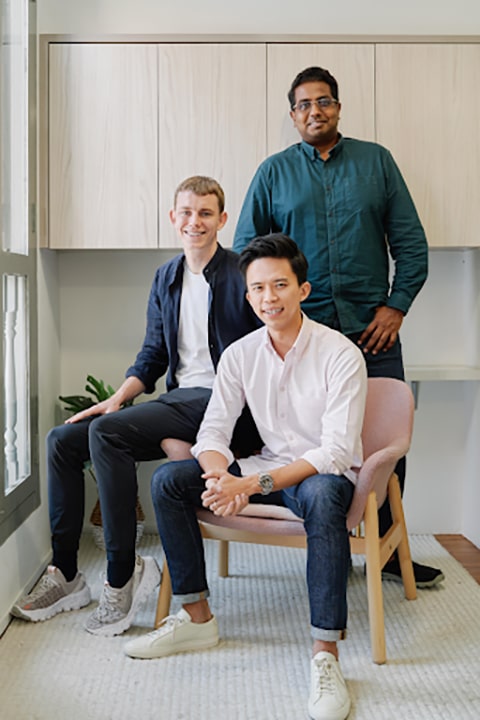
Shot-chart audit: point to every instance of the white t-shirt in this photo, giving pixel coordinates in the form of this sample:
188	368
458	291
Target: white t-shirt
195	367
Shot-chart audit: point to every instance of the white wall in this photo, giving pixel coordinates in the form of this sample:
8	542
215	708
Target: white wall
356	17
471	494
442	329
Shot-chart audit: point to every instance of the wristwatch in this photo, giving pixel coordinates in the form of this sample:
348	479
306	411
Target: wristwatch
266	483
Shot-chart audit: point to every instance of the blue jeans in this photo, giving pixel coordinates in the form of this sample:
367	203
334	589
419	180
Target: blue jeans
321	500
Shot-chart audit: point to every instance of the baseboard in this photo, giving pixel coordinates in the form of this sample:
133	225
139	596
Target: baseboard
6	618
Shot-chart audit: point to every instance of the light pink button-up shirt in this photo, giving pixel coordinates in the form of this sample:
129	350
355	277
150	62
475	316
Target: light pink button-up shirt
308	406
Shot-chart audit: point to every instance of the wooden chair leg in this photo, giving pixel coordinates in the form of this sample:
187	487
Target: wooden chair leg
403	549
374	582
223	558
164	596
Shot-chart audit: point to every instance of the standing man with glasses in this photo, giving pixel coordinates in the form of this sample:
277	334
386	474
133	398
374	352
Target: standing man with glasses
346	205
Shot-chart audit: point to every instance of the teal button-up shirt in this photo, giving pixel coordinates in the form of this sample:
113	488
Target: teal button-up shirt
347	214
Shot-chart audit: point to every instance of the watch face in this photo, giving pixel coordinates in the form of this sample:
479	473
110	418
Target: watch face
266	483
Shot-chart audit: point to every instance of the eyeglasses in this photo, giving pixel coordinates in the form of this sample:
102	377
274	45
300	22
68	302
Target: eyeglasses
322	102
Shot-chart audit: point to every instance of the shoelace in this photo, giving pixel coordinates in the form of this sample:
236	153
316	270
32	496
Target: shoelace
324	682
171	622
46	583
108	604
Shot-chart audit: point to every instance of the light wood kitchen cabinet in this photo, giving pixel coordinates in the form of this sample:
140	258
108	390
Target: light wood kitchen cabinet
427	114
103	146
352	65
128	121
212	120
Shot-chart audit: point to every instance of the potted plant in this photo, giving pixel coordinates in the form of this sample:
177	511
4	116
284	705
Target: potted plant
97	392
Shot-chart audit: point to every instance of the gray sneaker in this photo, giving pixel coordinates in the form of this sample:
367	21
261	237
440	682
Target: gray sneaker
53	595
118	606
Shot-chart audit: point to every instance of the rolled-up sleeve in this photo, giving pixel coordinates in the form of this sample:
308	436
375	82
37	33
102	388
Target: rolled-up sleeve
339	450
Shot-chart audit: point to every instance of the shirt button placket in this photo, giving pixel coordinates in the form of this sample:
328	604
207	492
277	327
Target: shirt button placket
331	226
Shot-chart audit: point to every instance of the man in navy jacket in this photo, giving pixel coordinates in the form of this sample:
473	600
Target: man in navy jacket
197	307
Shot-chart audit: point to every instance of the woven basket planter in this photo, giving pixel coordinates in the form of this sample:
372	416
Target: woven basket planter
97	527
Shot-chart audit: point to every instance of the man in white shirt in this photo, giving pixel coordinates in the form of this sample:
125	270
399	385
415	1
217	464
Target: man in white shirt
305	385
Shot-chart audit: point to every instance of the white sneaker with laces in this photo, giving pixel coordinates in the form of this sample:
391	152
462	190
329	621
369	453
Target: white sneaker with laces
53	595
118	606
177	633
329	699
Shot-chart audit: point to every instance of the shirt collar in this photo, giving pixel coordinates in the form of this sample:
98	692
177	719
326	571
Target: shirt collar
302	338
215	261
209	271
313	153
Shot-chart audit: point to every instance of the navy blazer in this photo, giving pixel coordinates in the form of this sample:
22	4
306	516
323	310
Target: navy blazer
230	316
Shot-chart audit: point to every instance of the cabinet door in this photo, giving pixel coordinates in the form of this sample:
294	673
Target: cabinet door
353	68
212	109
103	152
428	110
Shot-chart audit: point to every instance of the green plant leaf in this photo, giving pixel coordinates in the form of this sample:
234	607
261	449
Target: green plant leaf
97	389
76	403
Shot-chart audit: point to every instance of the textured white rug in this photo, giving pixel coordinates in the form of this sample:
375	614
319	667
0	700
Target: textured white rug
57	671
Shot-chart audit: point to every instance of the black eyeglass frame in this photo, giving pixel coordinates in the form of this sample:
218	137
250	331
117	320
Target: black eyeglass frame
323	103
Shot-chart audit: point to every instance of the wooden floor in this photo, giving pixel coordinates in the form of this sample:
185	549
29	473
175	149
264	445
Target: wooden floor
464	551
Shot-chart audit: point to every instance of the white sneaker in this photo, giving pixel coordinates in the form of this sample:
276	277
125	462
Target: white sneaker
177	633
118	606
53	595
329	699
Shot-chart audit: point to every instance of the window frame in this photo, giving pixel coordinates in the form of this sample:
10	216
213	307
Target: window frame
21	501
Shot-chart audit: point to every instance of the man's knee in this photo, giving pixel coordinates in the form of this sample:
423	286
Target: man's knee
106	430
62	437
100	424
174	479
54	439
327	496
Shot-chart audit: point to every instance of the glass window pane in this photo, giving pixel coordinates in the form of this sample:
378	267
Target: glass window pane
14	125
16	385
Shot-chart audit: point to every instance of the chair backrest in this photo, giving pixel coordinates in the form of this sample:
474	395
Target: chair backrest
386	436
388	415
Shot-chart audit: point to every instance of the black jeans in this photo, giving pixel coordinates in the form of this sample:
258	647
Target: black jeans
114	443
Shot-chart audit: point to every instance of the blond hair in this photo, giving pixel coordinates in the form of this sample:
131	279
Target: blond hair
201	185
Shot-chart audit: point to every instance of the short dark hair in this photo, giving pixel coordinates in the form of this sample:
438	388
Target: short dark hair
313	74
275	245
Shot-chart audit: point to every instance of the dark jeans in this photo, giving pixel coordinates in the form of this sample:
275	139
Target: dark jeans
321	500
386	364
115	443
